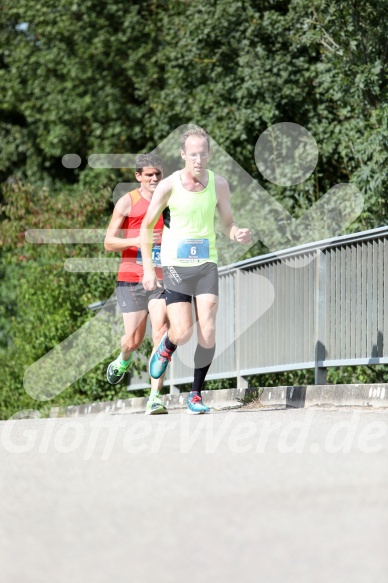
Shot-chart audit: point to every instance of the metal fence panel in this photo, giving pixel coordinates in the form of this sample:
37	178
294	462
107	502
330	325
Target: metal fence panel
328	310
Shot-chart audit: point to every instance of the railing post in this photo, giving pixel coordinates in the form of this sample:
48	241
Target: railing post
320	318
242	383
174	390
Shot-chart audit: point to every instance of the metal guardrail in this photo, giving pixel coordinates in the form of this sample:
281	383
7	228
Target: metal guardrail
314	306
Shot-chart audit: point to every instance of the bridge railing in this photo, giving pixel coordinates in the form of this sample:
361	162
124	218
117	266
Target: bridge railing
315	306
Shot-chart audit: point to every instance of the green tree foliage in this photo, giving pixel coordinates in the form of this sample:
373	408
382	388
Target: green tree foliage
238	67
70	73
45	303
118	76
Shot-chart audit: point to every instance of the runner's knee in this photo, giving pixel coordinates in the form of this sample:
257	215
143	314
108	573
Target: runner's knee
180	334
207	335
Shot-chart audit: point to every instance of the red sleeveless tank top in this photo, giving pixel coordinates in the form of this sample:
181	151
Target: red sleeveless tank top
130	269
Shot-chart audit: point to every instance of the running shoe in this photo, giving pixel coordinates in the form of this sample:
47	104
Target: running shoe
195	405
116	371
155	406
160	359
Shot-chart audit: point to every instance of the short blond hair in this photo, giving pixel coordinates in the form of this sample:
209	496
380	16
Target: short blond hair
194	132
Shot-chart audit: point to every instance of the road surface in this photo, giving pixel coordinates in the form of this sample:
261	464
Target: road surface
271	495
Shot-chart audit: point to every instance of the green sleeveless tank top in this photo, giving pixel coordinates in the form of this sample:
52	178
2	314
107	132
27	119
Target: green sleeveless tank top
188	234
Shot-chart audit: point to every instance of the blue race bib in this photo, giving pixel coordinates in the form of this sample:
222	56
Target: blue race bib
155	256
193	250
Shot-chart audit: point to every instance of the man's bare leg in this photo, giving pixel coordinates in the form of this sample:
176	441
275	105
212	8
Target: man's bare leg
158	317
134	330
205	310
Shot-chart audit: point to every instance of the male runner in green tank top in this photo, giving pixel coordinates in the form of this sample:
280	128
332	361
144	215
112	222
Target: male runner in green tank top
189	198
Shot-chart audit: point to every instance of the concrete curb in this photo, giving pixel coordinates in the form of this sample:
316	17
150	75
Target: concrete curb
372	395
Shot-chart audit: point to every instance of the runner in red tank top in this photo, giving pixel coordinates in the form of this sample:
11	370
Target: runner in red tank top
134	301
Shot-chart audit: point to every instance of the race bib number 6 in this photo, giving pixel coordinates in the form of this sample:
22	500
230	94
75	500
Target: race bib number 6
193	249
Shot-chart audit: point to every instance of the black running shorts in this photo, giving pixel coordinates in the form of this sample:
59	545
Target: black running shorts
183	283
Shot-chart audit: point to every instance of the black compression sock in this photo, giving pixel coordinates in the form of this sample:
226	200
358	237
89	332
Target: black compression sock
202	360
170	345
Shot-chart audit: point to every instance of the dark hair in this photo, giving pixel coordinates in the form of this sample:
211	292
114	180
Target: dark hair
195	132
149	160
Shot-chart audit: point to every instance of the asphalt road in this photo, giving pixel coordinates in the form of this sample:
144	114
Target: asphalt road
251	495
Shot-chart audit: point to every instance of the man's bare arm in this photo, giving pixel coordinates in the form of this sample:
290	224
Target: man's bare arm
158	203
229	227
112	241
